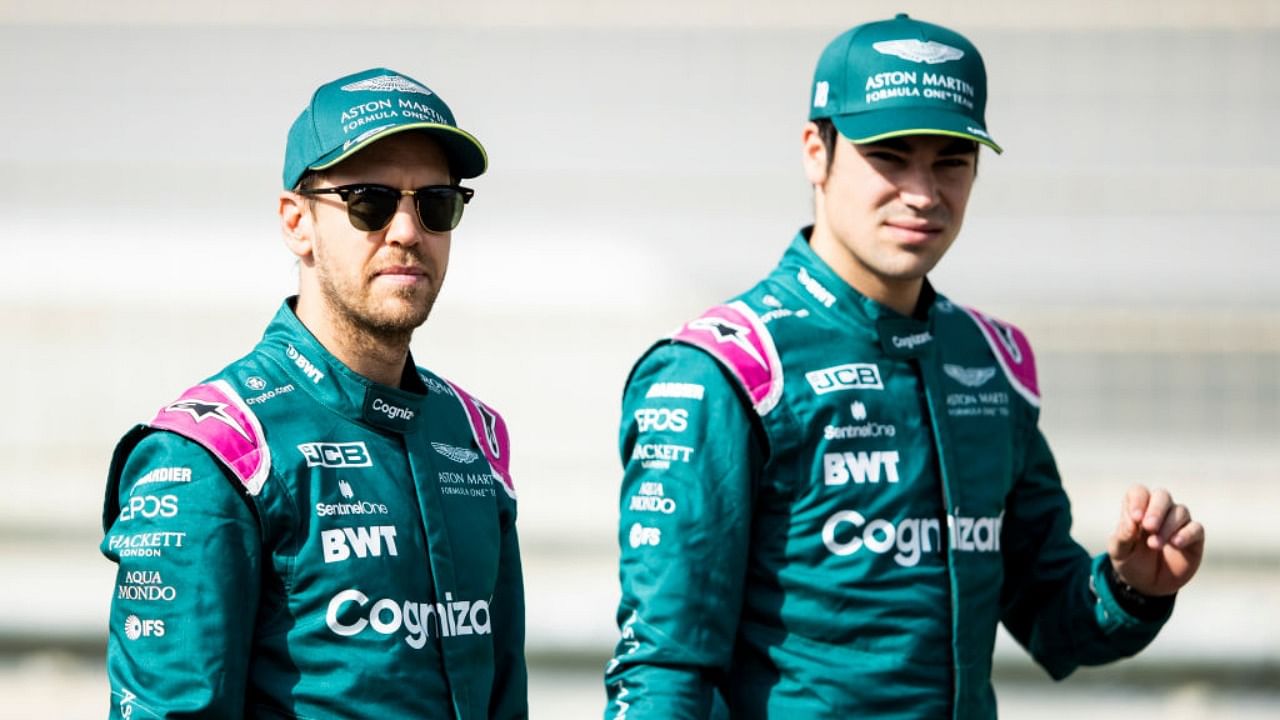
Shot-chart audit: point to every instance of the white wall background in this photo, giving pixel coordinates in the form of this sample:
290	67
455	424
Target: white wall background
644	165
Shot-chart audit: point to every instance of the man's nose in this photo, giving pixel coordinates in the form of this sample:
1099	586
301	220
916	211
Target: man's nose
919	188
405	229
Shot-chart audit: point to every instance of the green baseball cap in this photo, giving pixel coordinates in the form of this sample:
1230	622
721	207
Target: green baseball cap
902	77
350	113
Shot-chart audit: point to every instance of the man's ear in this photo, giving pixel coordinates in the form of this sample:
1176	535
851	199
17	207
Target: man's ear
296	224
814	155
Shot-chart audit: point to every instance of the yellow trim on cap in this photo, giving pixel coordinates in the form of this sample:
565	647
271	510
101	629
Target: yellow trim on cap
926	131
484	156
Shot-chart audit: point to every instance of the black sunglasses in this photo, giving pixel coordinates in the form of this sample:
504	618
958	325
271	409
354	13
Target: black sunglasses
370	207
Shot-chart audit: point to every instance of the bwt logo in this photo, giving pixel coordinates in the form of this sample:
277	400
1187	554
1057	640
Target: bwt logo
852	376
305	365
862	467
348	454
365	541
662	419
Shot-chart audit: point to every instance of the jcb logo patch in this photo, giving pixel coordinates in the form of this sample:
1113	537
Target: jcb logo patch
348	454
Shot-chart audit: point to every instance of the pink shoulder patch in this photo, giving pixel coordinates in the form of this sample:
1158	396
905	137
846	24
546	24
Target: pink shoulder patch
214	416
734	335
490	432
1013	351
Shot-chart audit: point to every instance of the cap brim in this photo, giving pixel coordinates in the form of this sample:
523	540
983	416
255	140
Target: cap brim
467	157
869	127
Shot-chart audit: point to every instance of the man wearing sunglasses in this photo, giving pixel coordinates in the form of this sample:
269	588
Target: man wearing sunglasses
324	529
835	487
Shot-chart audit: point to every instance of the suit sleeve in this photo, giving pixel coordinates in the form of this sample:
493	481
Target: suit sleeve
1056	600
510	698
185	597
689	456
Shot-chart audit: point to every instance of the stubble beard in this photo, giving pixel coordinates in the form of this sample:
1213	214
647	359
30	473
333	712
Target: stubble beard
360	317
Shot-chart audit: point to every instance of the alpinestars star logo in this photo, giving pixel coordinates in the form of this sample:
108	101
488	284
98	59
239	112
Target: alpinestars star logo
201	410
930	52
726	332
386	83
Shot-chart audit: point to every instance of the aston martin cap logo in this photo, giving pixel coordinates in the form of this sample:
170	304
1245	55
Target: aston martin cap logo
931	52
386	83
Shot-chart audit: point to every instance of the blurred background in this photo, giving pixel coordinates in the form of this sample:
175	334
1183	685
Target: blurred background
645	164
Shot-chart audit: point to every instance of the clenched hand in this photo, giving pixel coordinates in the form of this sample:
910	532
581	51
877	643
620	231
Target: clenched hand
1157	547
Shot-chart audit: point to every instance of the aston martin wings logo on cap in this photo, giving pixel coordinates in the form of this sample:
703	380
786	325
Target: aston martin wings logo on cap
930	52
386	83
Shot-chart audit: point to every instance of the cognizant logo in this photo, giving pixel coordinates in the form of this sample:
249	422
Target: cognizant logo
418	621
847	531
392	412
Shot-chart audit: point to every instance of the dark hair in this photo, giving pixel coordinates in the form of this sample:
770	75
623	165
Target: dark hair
309	180
827	131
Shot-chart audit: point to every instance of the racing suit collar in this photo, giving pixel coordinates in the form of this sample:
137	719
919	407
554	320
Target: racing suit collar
312	368
899	336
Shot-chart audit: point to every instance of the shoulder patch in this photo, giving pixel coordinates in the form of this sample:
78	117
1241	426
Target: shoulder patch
734	335
1013	351
490	432
217	418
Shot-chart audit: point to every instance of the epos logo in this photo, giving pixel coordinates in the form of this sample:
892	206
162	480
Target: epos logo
662	419
851	376
135	627
150	506
347	454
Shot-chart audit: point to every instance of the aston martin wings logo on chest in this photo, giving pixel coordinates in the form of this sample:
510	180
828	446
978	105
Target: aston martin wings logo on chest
201	410
727	332
455	453
969	377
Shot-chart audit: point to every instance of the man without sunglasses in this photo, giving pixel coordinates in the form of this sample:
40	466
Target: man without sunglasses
835	486
323	529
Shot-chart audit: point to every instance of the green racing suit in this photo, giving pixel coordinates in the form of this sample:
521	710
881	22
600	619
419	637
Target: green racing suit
294	540
827	508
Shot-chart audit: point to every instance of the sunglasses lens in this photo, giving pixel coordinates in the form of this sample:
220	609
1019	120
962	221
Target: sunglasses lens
440	208
370	209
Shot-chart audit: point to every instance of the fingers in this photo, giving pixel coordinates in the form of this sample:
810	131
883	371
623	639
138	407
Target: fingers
1158	507
1125	539
1174	520
1135	503
1189	538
